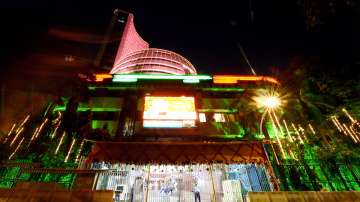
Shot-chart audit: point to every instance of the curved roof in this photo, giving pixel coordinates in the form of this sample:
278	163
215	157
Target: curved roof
135	56
153	61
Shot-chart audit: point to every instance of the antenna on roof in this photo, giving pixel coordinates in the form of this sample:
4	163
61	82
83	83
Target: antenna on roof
246	59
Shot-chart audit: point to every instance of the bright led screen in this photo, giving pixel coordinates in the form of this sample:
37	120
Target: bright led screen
169	112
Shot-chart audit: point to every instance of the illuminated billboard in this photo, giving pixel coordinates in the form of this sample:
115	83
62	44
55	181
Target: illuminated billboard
169	112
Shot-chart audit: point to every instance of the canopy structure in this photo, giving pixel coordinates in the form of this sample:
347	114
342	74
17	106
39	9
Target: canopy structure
178	152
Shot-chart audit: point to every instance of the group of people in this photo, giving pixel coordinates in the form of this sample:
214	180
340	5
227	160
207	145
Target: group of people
169	187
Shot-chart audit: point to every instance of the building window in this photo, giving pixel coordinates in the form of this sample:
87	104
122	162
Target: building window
219	117
202	117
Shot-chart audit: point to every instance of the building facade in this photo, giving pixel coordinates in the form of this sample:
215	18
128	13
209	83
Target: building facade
154	130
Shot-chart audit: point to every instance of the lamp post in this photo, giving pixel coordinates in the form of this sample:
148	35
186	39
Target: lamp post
269	102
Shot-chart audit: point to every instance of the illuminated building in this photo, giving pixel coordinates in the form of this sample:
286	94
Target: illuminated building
135	56
154	61
154	129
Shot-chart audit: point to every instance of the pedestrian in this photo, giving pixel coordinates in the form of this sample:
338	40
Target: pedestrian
196	191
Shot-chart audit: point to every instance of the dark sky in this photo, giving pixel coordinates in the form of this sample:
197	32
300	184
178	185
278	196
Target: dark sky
205	32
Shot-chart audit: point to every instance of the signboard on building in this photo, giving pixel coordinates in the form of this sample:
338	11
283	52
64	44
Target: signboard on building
169	112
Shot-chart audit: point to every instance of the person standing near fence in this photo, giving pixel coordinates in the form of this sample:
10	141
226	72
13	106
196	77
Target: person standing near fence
196	191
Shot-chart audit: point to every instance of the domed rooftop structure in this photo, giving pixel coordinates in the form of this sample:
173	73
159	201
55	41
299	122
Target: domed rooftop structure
154	61
135	56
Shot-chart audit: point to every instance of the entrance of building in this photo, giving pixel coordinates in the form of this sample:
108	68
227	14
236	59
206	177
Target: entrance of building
183	183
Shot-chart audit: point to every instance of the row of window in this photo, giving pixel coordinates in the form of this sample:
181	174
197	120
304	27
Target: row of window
216	117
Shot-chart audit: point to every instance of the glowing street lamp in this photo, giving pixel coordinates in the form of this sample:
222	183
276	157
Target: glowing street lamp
269	102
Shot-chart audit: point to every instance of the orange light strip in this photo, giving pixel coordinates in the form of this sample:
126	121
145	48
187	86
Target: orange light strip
232	79
101	77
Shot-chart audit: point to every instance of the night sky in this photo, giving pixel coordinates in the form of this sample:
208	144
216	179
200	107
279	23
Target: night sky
208	33
45	45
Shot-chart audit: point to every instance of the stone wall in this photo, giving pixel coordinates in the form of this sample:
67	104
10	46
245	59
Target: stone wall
320	196
52	192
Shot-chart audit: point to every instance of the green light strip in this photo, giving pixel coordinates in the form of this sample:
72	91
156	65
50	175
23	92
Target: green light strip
134	77
191	81
126	80
111	87
223	89
97	109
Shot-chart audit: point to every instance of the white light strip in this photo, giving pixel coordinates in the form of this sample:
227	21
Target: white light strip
348	115
41	127
348	131
297	133
10	132
287	131
16	136
60	142
33	136
56	128
311	128
25	120
16	148
69	152
79	152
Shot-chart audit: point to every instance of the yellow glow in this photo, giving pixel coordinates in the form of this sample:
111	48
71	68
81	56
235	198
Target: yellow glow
101	77
233	79
269	102
169	108
268	99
